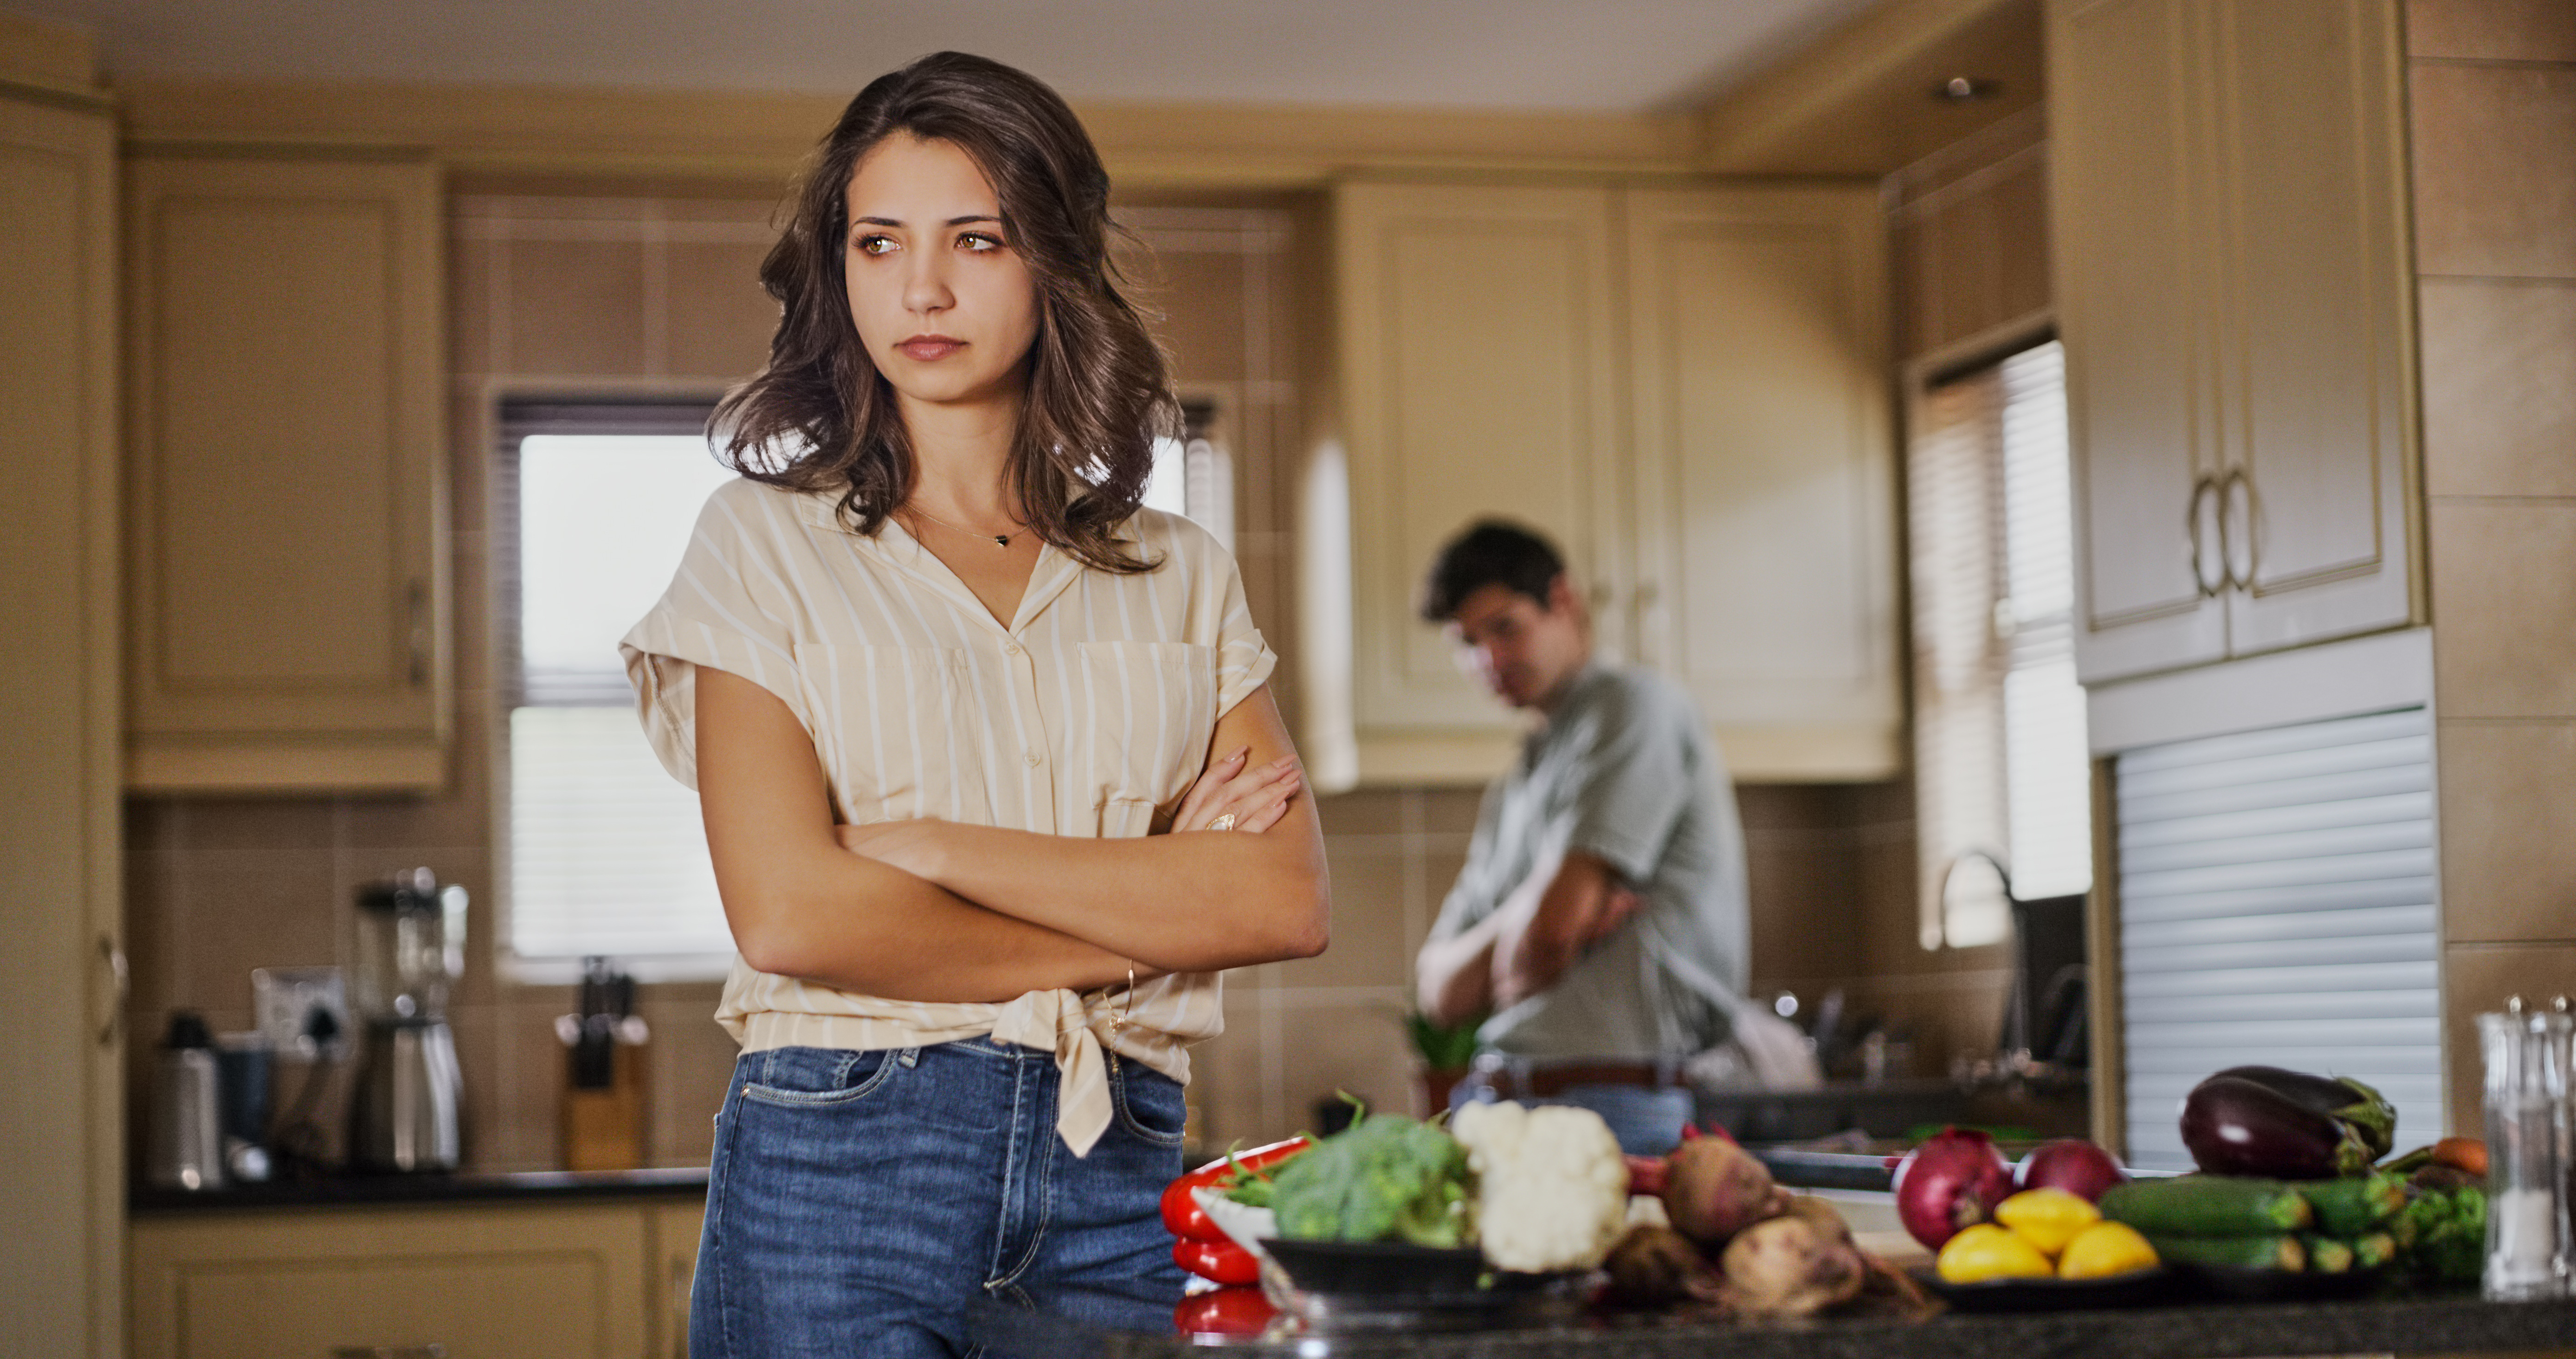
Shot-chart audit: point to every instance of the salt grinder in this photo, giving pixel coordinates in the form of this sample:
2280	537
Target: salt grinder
2528	1152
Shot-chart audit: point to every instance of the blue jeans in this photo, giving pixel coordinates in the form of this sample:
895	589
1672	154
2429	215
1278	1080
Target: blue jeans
859	1202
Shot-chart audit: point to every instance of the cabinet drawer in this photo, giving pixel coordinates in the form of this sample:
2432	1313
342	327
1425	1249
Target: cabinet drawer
483	1283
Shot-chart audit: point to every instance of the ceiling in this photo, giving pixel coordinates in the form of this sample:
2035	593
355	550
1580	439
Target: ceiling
1599	55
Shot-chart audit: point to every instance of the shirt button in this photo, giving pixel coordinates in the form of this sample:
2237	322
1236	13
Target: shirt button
1011	650
1035	759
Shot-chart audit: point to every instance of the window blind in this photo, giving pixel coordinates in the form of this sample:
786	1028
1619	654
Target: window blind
2278	907
2000	761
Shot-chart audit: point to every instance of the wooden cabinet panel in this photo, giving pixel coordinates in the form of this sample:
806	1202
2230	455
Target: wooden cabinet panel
1478	380
1765	484
287	588
2319	330
2125	133
60	855
674	1266
485	1283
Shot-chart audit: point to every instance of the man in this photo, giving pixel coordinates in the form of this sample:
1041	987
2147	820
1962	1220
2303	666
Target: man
1601	914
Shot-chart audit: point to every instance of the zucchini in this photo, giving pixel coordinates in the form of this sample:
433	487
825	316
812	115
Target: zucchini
2325	1254
2371	1250
2208	1205
2354	1205
2279	1252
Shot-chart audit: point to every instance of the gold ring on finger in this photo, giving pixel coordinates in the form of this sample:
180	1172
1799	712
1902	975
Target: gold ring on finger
1222	823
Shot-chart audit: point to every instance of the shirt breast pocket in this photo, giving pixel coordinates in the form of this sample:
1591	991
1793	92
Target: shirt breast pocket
1146	713
895	729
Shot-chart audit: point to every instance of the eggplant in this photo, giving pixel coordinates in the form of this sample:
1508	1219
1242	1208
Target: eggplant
2236	1126
2338	1097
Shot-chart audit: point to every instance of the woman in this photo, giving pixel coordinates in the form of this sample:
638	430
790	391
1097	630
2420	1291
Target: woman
932	626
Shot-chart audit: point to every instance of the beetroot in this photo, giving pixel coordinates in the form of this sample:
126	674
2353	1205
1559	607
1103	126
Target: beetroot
1714	1189
1952	1181
2072	1164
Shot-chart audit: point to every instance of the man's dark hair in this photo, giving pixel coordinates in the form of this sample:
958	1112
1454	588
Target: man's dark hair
1490	552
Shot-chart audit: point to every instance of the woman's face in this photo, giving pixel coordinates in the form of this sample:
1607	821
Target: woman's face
946	308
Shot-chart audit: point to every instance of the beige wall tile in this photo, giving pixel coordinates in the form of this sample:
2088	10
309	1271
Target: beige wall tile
1368	947
2476	978
2504	608
217	824
2495	170
1227	1084
282	912
2508	831
720	321
2499	365
1371	811
1803	919
1450	810
458	818
1442	860
691	1066
1199	296
576	308
2492	30
1358	1048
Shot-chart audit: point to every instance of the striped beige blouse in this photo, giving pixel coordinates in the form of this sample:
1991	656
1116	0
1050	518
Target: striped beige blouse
1096	705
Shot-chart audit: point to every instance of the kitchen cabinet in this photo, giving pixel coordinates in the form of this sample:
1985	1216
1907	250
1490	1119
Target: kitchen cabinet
483	1281
2234	291
61	858
287	591
1685	388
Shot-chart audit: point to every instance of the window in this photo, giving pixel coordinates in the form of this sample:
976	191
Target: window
2000	753
606	853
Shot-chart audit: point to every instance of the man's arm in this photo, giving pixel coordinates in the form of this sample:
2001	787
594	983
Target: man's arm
1551	920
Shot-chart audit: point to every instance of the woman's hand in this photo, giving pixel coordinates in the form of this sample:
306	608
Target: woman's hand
1256	798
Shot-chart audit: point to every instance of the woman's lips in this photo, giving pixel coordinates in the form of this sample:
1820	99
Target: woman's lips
929	348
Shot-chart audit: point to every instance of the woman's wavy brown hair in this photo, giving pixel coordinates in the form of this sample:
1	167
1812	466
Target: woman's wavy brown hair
821	418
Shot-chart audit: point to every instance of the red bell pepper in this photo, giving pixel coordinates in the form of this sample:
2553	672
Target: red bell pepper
1226	1311
1181	1212
1221	1261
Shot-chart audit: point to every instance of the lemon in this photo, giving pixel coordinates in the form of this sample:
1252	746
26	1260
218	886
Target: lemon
1986	1251
2047	1218
2105	1249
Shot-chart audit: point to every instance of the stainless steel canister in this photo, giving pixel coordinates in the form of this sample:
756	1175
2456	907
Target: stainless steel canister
187	1147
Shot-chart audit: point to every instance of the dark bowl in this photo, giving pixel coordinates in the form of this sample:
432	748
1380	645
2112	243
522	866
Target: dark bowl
2274	1285
2145	1288
1377	1268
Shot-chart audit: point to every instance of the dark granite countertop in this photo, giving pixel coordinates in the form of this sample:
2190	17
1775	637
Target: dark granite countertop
2445	1325
547	1186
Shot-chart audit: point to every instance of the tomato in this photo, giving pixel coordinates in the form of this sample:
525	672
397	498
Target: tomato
1182	1215
1227	1311
1221	1261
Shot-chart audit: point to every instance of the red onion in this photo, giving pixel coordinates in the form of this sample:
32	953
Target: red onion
1952	1181
2072	1164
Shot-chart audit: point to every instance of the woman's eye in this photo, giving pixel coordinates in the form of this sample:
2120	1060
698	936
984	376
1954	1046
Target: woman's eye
873	245
979	242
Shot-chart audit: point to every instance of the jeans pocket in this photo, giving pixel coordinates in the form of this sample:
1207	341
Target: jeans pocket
1150	1104
806	1078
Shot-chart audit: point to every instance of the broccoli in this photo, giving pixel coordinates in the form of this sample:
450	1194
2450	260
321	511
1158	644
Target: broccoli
1387	1178
2445	1234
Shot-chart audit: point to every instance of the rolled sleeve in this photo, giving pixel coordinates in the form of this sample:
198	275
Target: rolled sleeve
727	609
1632	781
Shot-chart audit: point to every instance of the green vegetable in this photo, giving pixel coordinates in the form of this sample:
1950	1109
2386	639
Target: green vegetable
1443	1047
2325	1254
2373	1249
2349	1207
2279	1252
1385	1178
2208	1205
2445	1234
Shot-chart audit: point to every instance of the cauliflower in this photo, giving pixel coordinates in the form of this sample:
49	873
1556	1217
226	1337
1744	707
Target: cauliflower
1552	1191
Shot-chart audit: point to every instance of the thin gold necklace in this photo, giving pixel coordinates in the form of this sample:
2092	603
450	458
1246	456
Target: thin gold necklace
1000	540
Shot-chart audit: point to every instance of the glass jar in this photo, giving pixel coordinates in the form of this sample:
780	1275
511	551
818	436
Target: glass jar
2528	1150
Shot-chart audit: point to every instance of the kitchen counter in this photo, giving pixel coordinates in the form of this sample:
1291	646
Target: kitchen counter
543	1186
2459	1324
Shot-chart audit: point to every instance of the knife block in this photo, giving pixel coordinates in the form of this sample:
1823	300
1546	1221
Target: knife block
604	1129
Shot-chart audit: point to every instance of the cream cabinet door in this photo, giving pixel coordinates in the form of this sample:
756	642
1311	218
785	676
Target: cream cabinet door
61	860
1478	378
287	592
1765	471
481	1282
2317	333
2127	150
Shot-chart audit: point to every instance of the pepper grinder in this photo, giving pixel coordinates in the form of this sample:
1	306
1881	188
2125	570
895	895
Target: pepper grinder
2527	1152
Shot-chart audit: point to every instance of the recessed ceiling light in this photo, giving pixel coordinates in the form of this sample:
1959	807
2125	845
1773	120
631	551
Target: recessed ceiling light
1961	89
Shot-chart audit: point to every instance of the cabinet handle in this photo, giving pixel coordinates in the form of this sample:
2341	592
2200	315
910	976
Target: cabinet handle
2239	477
121	985
2203	488
419	632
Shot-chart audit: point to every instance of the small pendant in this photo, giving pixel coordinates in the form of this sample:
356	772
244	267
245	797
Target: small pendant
1001	540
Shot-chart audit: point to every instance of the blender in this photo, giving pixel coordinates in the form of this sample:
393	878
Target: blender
411	946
